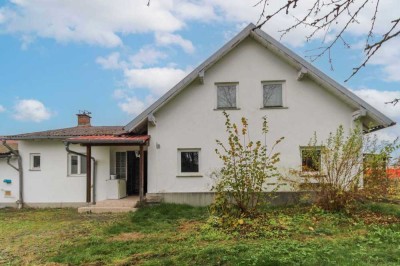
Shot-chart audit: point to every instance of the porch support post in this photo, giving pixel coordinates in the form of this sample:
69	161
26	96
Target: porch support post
88	173
141	174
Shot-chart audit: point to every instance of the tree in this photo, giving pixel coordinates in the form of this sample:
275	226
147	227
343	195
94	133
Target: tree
323	15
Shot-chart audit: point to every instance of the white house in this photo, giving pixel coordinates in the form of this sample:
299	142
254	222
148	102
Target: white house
168	150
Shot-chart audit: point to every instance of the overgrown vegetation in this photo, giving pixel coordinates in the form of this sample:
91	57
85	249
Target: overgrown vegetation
247	166
171	234
346	167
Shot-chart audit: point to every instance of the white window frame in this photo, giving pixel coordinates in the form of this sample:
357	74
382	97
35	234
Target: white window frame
126	163
218	84
310	173
32	155
79	165
179	166
266	82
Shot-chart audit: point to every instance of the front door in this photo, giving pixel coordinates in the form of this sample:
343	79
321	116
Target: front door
132	182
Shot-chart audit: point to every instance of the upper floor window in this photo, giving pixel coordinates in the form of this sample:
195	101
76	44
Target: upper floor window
272	95
77	164
226	96
35	161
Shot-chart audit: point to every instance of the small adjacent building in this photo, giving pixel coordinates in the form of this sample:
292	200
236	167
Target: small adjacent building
168	151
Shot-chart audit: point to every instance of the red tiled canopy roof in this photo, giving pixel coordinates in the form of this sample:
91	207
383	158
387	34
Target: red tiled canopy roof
126	139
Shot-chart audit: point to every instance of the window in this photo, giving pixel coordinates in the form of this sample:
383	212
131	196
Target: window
120	165
189	161
226	96
310	159
272	95
35	161
77	164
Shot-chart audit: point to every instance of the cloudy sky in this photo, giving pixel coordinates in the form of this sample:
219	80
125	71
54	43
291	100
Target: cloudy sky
114	58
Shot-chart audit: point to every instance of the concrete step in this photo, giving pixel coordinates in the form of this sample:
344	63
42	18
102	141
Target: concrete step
115	203
99	209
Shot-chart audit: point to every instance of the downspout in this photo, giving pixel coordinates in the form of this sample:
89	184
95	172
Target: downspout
94	168
20	201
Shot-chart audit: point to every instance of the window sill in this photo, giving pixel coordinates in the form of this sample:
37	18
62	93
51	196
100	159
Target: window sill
311	174
82	175
225	109
274	107
190	175
35	170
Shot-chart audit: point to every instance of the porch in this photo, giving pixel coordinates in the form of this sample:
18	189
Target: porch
126	183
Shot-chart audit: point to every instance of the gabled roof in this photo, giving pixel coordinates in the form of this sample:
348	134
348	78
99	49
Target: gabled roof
379	119
71	132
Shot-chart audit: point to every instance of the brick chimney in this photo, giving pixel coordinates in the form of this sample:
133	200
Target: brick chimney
84	118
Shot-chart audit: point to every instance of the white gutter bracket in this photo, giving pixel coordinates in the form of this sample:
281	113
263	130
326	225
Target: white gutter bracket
359	113
152	120
302	72
201	77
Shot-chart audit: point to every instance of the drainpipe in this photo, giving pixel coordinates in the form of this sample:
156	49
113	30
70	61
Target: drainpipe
20	201
94	168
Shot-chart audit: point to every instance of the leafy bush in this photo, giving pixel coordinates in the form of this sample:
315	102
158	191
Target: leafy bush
247	165
339	165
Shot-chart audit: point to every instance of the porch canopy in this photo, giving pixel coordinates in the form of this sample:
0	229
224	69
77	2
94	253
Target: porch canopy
111	140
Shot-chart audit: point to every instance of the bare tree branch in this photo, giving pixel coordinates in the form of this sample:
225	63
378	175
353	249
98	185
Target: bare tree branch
323	14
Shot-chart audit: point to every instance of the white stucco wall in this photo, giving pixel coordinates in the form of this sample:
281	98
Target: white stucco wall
190	121
7	172
52	184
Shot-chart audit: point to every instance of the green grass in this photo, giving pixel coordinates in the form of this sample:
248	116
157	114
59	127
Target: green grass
171	234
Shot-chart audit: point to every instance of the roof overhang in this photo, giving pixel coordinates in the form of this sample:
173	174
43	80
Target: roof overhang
379	120
110	140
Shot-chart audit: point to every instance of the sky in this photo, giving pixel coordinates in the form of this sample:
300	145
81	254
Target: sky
114	58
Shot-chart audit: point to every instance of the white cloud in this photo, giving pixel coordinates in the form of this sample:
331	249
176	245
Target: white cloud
378	98
31	110
112	61
2	108
169	38
158	79
147	56
134	106
93	22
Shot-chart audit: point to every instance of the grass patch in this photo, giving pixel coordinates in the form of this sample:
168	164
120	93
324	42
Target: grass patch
169	234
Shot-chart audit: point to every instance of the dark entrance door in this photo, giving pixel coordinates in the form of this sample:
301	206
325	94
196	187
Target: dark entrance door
132	182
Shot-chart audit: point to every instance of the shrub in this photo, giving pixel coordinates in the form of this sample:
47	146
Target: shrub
340	162
247	165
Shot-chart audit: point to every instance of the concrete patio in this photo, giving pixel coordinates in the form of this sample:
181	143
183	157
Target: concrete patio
127	204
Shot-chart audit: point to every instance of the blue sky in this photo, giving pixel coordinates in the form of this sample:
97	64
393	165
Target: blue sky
114	59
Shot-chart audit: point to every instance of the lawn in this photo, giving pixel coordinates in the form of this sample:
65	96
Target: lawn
170	234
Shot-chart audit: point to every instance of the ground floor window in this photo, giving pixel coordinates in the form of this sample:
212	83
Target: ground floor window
310	159
76	164
35	161
188	160
120	165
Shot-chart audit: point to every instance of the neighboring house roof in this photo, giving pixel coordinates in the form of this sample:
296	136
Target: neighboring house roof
393	172
71	132
379	120
4	150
